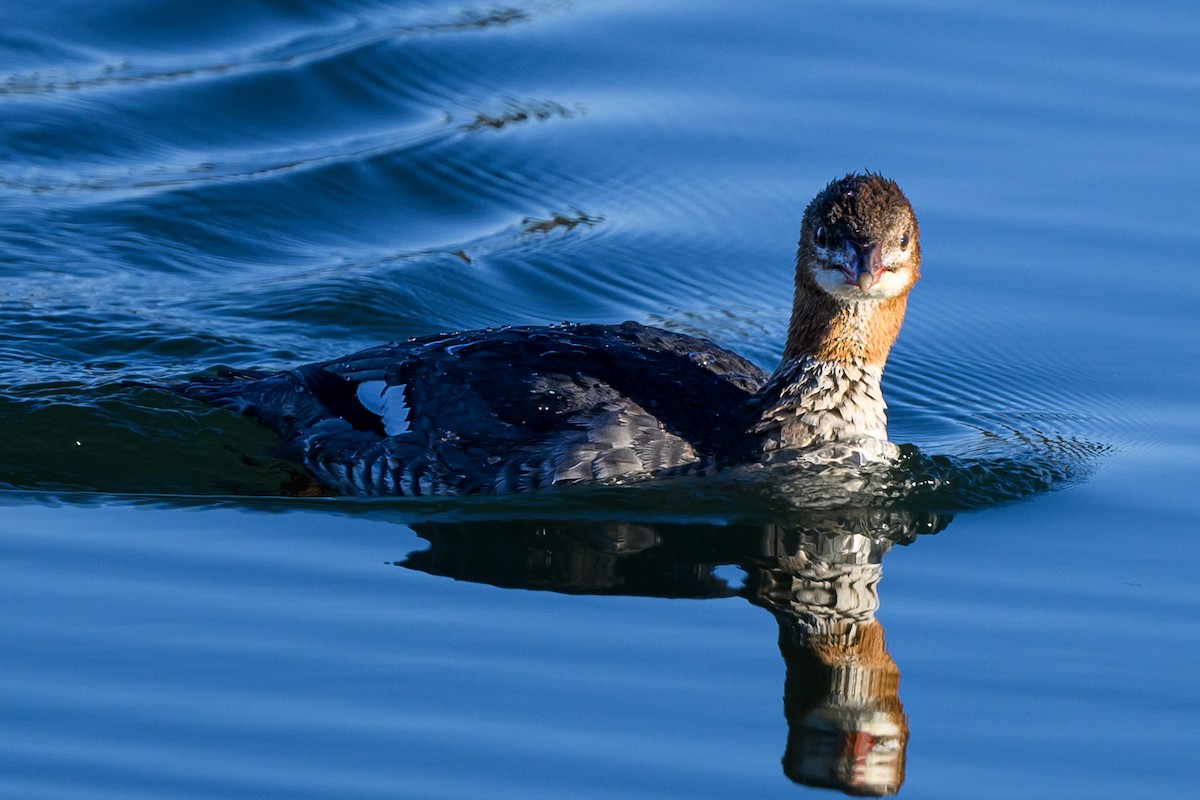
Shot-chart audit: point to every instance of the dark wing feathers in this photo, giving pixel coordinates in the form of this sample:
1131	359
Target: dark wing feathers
503	410
537	378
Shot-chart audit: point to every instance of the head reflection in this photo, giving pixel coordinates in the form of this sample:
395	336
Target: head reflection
846	726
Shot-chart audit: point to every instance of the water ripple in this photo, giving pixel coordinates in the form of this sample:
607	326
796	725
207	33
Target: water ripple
300	51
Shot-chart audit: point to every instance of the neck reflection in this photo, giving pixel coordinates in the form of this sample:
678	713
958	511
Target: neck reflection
819	579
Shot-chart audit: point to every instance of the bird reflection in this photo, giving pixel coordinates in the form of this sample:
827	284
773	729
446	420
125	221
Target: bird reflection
846	725
818	577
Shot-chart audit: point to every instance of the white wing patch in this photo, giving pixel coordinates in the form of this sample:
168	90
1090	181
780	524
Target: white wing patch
386	402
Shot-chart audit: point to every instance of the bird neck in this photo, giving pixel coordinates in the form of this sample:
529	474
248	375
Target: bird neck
860	332
827	387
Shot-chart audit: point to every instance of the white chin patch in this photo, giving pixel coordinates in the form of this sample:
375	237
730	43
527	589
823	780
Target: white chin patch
387	403
890	284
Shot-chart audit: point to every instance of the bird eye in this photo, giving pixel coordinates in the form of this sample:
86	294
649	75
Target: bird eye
904	242
822	237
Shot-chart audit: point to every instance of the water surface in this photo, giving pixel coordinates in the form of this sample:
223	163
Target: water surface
272	182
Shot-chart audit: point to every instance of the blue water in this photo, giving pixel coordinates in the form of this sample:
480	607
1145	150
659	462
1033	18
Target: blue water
269	182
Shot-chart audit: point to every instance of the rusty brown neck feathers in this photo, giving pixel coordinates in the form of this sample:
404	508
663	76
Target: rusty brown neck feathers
859	332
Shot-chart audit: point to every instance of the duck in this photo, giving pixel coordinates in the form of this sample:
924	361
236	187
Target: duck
515	409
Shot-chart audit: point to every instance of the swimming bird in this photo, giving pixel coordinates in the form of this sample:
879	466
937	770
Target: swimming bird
520	408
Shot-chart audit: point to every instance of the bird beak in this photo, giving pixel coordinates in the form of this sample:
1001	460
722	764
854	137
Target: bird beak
863	264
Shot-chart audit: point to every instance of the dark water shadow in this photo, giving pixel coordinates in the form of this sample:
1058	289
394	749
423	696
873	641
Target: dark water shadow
817	575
